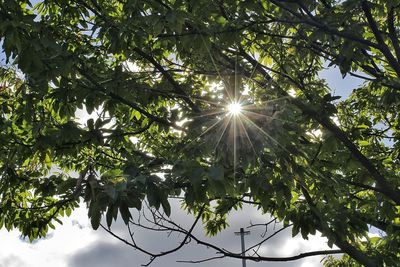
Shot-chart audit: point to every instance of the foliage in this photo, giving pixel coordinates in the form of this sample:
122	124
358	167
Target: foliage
158	75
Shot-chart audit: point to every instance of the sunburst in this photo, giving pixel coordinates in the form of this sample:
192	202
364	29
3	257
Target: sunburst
234	108
235	124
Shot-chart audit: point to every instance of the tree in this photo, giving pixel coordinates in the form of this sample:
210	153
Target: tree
160	74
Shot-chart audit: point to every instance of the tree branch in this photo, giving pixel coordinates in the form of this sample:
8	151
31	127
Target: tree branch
97	10
381	43
178	89
257	258
385	187
273	259
127	102
392	32
327	28
340	242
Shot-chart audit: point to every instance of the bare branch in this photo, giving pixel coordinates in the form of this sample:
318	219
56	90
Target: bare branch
161	222
258	245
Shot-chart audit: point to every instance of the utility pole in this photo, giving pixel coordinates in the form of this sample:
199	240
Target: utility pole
242	233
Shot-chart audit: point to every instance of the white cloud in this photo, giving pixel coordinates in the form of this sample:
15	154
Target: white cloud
66	240
75	244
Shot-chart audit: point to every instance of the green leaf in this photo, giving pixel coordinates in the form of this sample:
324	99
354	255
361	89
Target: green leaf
95	219
68	211
222	20
295	230
109	215
90	124
125	213
136	114
166	206
363	143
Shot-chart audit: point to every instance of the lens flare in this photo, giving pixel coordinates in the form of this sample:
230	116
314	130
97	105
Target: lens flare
234	108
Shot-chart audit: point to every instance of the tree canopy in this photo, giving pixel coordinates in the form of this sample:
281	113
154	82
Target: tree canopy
159	77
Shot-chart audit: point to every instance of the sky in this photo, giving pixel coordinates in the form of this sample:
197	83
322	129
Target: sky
76	244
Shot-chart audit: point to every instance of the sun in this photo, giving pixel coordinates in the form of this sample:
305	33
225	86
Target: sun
234	108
